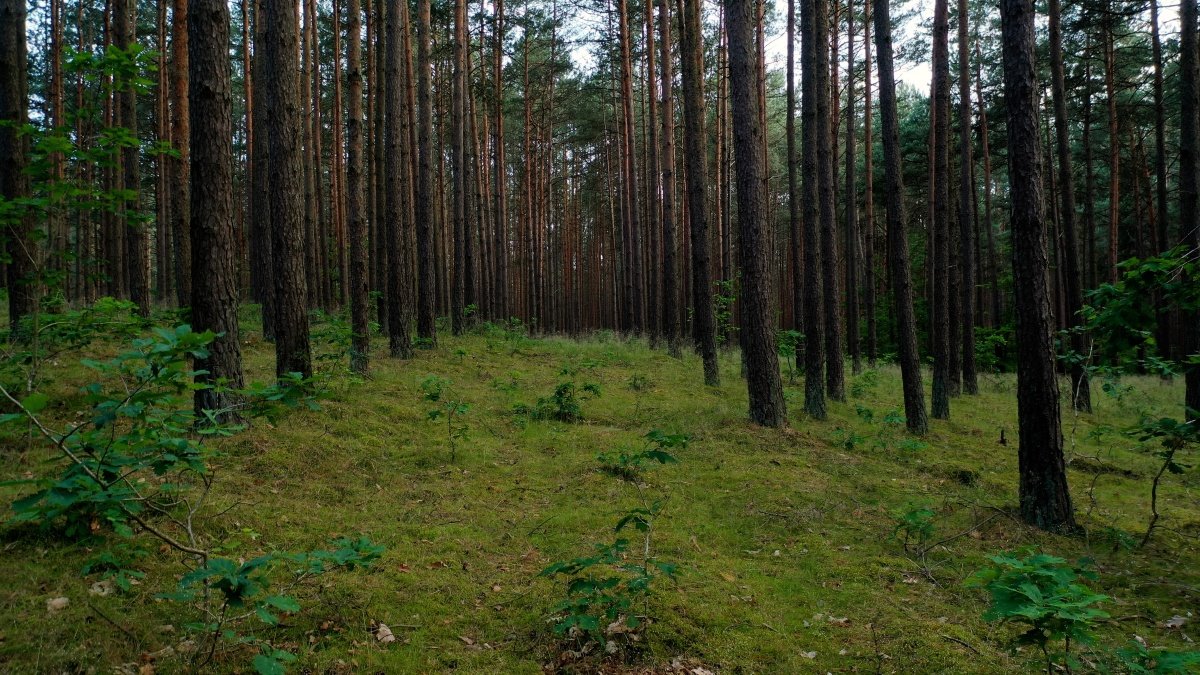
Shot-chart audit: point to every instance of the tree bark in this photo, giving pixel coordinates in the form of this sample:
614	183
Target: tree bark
14	154
851	206
835	379
670	266
1044	496
357	288
941	211
1189	190
966	220
1080	391
214	260
767	407
897	235
426	225
281	73
815	294
692	62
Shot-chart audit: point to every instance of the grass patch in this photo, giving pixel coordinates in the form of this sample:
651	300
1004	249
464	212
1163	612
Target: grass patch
784	539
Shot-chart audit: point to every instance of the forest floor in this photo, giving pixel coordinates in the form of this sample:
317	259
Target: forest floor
784	539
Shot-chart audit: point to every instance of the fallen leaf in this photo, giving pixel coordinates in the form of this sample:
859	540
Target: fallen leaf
102	588
384	634
1175	622
728	577
54	605
466	640
809	655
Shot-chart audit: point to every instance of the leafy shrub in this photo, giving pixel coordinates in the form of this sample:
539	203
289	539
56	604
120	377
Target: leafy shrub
864	384
1044	593
1173	436
603	588
133	460
564	405
629	465
1138	658
914	525
437	390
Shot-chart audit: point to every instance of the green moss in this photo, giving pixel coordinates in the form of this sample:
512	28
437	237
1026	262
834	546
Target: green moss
783	536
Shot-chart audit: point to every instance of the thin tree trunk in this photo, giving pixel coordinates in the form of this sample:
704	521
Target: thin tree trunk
941	211
815	294
869	195
396	161
1189	190
692	62
426	225
851	206
966	221
1080	391
670	266
897	235
835	383
357	288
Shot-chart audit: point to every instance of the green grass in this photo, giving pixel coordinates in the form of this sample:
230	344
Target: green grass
783	537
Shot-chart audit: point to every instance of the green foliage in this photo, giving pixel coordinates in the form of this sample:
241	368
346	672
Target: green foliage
1042	592
602	588
226	590
788	341
1119	314
116	565
847	438
864	383
991	349
914	525
629	464
1173	436
1138	658
639	382
437	390
564	405
724	296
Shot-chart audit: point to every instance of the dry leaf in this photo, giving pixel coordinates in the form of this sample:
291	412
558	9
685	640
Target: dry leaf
466	640
1175	622
102	588
384	634
54	605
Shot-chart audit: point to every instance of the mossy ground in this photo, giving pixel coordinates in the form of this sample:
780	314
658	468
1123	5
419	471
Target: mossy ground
784	538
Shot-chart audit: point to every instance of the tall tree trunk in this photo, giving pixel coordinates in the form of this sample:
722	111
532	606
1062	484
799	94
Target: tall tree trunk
180	164
835	380
988	223
941	210
635	284
357	288
1189	190
670	265
897	235
426	225
459	167
1081	392
280	81
260	197
396	160
500	170
762	361
22	265
135	234
869	195
966	220
851	205
815	294
1114	147
695	142
1044	496
1164	334
214	245
795	225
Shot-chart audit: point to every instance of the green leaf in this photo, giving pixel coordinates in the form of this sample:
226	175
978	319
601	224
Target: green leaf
266	665
35	402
